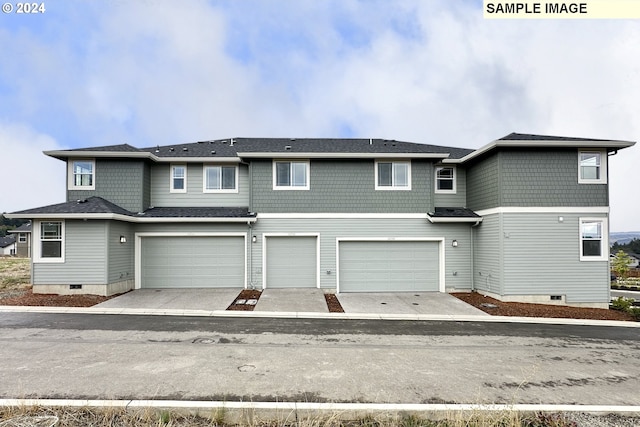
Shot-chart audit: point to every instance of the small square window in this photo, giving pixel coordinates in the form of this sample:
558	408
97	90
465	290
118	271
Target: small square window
592	167
445	180
82	175
392	175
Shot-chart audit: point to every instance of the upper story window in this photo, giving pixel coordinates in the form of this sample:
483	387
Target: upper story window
178	179
220	179
445	180
82	175
394	175
593	241
592	167
290	175
50	242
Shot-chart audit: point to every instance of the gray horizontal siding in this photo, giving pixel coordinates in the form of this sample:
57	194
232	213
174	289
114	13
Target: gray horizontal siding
459	199
120	266
162	197
457	259
487	255
119	181
342	186
85	256
542	256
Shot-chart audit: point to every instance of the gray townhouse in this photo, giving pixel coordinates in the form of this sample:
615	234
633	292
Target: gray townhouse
524	218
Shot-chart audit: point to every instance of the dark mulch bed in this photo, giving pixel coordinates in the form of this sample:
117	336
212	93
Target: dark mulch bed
245	295
539	310
26	297
333	304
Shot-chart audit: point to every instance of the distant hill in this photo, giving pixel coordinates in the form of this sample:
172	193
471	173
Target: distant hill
623	237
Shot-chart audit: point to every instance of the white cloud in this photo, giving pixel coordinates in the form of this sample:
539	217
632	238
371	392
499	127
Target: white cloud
29	178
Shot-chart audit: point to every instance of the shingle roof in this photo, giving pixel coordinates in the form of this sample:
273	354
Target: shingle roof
197	212
530	137
120	148
24	228
82	206
6	241
453	213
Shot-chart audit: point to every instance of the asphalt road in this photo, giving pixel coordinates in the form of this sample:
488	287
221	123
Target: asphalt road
80	356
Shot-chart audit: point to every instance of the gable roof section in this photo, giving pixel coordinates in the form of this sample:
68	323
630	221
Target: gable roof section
24	228
99	208
7	241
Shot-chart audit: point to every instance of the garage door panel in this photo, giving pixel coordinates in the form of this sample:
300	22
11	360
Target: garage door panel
291	262
192	262
389	266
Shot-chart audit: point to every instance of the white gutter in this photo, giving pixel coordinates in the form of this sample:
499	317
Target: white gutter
434	220
60	154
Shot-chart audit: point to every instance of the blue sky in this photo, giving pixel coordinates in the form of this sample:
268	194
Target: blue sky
88	73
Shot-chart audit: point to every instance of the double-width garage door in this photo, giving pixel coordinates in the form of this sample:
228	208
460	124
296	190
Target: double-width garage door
192	262
388	266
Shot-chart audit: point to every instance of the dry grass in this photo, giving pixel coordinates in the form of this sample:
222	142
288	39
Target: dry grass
15	276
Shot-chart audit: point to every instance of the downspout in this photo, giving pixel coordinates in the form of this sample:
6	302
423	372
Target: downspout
251	286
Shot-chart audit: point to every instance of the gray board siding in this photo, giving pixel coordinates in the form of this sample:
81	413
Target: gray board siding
542	256
118	181
458	260
487	255
342	186
459	199
161	196
120	254
85	256
524	178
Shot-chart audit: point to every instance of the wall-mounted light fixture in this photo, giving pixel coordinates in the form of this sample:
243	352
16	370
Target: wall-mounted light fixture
254	239
560	219
123	239
454	243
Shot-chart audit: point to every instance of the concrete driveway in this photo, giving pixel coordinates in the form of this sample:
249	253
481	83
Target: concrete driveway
294	300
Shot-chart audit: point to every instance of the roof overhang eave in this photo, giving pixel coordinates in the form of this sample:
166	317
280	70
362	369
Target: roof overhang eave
329	155
439	219
128	218
609	145
65	154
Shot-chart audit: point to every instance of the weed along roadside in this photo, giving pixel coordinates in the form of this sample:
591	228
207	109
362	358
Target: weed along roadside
132	413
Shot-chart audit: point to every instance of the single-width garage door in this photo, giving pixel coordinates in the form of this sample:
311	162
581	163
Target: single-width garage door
388	266
291	262
192	262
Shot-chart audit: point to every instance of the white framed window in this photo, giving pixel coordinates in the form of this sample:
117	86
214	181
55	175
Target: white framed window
592	167
291	175
219	179
445	180
593	239
82	174
22	238
178	179
392	175
49	241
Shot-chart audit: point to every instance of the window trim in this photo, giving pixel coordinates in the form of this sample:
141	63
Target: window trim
221	190
171	178
604	241
37	247
392	187
22	237
307	164
603	167
71	182
454	190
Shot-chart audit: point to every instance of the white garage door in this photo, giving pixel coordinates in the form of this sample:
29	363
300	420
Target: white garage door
388	266
291	262
192	262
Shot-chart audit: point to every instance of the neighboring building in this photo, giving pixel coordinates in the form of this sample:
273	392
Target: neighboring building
524	218
7	246
22	235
